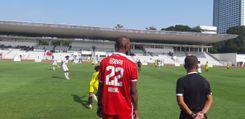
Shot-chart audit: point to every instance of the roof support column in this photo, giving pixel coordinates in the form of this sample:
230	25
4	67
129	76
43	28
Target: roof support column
49	43
133	46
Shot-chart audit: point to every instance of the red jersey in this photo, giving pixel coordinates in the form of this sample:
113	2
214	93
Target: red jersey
117	72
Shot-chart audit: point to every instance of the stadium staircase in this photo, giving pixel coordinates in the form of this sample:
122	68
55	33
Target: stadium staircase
212	59
12	53
203	57
6	52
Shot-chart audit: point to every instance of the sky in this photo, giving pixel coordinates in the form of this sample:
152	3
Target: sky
133	14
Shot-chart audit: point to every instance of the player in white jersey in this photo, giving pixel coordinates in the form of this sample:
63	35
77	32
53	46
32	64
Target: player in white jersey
54	63
199	69
64	66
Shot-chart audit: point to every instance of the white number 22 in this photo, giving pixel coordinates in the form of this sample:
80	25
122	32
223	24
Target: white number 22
114	70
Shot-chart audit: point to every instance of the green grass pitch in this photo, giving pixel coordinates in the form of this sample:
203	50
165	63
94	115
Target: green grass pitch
31	90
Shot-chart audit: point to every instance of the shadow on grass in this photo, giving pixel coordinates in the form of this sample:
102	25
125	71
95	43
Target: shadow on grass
58	77
81	100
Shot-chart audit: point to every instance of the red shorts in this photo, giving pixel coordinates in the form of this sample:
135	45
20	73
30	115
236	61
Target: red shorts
126	116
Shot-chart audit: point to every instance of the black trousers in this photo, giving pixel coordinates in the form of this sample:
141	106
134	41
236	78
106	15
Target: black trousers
184	115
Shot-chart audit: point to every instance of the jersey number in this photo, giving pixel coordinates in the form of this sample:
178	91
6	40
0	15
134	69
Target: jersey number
114	70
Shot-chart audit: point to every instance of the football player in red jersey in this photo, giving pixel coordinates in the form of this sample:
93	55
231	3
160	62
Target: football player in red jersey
117	94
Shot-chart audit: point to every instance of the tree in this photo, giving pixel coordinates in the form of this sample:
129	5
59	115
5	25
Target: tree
196	29
171	28
151	28
179	28
119	26
182	28
232	45
239	42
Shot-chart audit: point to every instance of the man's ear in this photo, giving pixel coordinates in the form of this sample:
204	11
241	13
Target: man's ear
126	47
185	66
197	66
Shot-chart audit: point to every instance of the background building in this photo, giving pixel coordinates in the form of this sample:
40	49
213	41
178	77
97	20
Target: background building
207	29
227	14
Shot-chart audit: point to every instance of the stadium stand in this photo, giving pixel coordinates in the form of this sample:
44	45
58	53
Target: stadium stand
61	48
15	43
43	47
138	52
203	57
31	41
146	58
163	50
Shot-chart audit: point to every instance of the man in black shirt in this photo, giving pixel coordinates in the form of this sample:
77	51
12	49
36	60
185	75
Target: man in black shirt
193	92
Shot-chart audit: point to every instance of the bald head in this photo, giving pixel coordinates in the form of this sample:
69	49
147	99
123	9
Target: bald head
122	44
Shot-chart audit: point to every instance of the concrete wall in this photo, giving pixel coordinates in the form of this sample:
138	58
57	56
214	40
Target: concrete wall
227	57
240	58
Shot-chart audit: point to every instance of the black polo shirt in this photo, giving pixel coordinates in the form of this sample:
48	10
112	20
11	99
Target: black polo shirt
195	89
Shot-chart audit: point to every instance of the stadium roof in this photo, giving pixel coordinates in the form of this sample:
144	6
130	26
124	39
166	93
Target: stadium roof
71	31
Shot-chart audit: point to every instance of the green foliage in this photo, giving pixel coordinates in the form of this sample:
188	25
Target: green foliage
119	26
42	42
151	28
216	47
56	43
182	28
66	43
196	29
31	90
232	45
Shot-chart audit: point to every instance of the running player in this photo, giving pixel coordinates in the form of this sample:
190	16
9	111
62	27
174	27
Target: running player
117	94
228	66
199	69
206	67
139	65
54	63
64	66
93	85
158	63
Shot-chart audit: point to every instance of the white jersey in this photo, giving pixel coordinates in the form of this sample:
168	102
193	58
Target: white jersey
64	64
199	69
54	62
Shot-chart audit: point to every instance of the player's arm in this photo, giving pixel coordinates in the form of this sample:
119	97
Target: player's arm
100	94
100	91
134	97
208	104
209	100
134	94
133	90
100	87
183	106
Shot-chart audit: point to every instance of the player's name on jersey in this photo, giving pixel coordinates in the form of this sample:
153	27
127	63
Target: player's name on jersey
114	83
113	89
115	61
